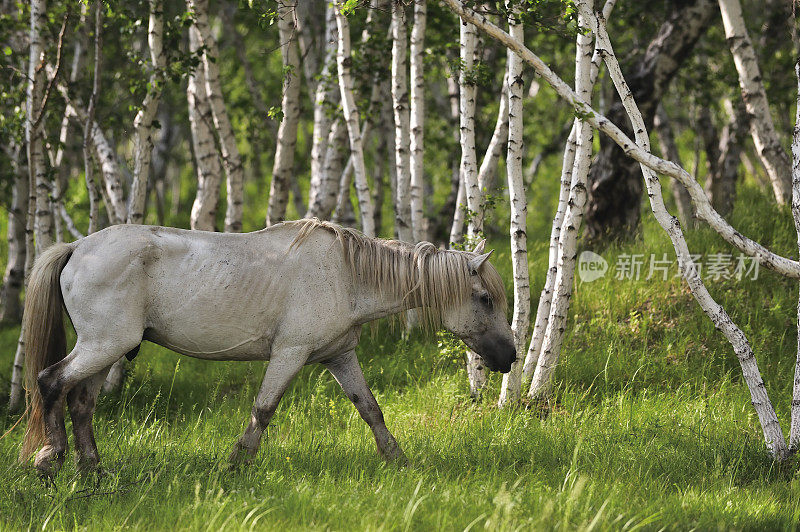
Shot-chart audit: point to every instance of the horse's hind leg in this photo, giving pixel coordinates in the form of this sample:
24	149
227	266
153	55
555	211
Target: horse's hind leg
54	383
82	401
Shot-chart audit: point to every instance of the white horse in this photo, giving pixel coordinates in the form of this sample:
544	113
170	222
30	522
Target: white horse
293	294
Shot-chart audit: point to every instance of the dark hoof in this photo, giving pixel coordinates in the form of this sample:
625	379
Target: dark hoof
240	455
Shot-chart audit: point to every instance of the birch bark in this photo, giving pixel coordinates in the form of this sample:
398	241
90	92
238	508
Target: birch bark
39	224
34	130
344	60
88	164
283	167
769	148
402	217
488	169
207	163
567	244
417	103
794	428
322	186
143	123
231	160
476	372
512	381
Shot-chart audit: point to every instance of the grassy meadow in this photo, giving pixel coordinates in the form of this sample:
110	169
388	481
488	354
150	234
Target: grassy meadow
650	426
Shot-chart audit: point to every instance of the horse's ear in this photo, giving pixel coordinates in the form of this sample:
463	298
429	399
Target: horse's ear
479	248
476	262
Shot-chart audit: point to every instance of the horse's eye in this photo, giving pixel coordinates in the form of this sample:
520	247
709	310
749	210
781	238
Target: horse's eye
486	300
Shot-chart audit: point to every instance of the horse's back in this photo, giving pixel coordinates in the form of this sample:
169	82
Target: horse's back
210	295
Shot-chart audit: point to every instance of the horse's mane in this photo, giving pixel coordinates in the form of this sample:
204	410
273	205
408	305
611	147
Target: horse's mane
434	278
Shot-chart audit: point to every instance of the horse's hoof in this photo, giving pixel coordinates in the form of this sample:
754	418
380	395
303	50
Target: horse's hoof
48	463
240	455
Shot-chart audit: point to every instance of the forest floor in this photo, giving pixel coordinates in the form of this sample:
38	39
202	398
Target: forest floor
650	426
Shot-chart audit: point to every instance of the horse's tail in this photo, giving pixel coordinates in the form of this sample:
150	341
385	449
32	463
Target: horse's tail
43	334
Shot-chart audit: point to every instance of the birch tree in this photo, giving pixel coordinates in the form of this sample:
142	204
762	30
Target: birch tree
344	61
568	161
207	163
476	372
417	125
402	219
567	243
88	164
283	167
510	391
231	160
322	185
34	131
769	148
143	123
794	427
39	223
758	394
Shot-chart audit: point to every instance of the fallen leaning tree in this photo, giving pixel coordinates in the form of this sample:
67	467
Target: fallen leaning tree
651	166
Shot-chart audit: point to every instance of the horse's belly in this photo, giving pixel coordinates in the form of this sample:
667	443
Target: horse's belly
217	344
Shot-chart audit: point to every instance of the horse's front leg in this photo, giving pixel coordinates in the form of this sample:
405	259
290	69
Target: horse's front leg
348	374
283	366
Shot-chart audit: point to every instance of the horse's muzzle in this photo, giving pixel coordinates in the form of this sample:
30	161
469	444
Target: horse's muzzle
497	352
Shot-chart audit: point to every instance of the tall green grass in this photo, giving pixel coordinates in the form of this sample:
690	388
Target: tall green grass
650	426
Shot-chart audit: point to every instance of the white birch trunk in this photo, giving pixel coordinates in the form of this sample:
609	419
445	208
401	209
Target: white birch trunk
417	103
402	215
231	160
568	160
512	381
207	162
459	215
758	394
487	172
88	163
344	61
794	428
283	167
34	133
325	96
567	244
40	218
143	123
476	371
769	148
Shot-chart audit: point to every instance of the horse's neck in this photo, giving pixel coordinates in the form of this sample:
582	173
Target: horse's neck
374	303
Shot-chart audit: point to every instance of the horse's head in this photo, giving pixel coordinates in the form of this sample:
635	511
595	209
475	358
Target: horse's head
480	320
